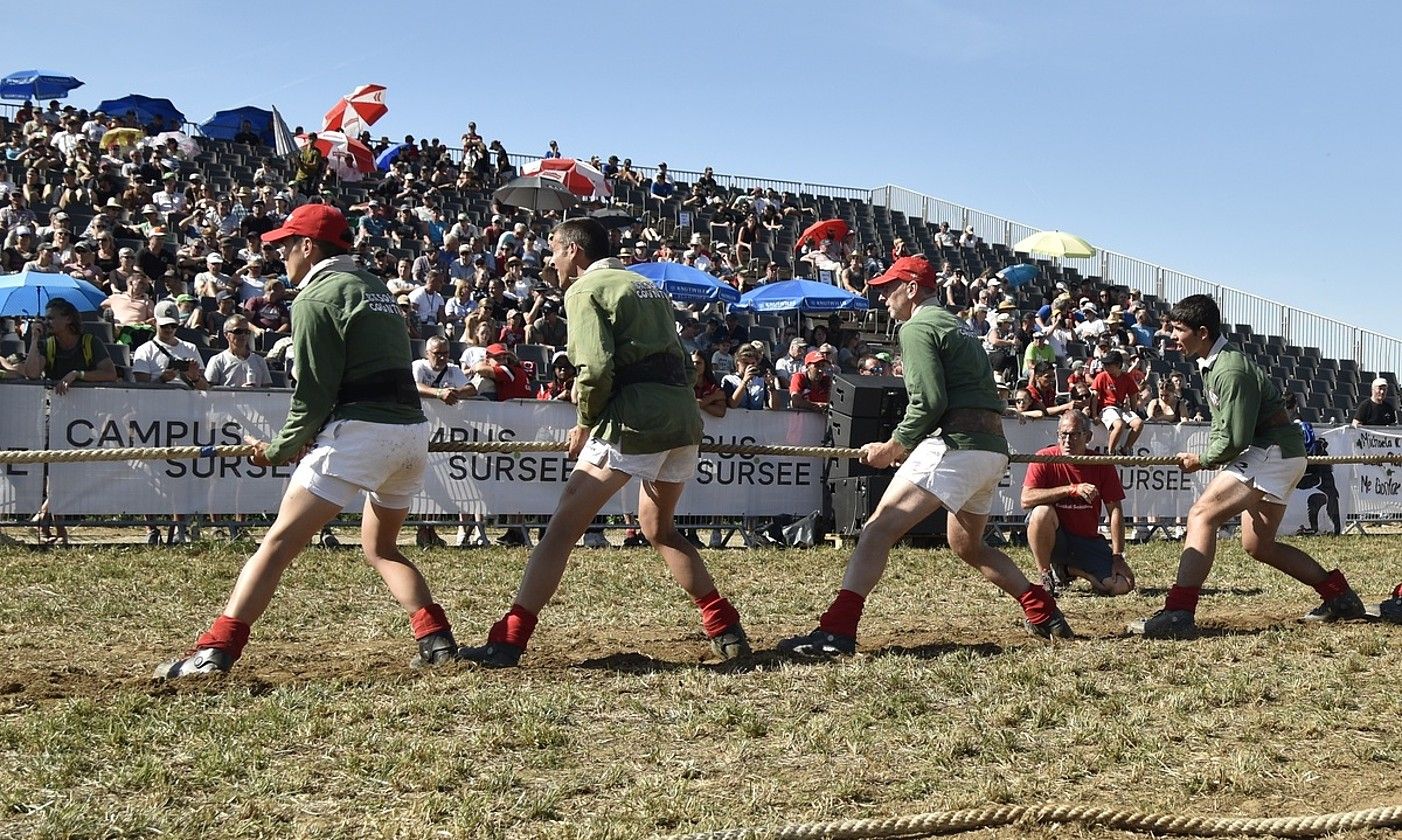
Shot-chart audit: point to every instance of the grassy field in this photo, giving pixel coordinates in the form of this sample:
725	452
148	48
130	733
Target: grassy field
617	727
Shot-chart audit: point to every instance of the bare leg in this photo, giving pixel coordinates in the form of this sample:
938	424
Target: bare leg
1224	498
966	540
379	534
1117	429
1041	535
588	489
657	505
901	508
1136	428
300	517
1258	530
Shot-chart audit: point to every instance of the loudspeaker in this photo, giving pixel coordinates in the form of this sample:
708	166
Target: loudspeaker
854	431
855	499
868	396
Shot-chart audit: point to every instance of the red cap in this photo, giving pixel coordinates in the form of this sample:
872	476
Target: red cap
815	357
908	270
497	349
317	221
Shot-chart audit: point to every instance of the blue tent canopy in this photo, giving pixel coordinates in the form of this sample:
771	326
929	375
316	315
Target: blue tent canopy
146	109
802	296
225	124
37	84
687	284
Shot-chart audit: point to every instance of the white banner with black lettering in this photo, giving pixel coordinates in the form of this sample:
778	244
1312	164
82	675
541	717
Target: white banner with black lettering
496	483
22	421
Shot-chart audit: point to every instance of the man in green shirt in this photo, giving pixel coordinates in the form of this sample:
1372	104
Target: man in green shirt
356	400
1261	455
952	453
638	416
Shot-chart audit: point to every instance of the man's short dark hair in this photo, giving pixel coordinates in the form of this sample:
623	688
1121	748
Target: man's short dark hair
1042	367
1114	357
588	234
1195	311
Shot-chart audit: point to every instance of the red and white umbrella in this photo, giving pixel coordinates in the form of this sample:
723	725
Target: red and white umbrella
347	157
578	177
356	111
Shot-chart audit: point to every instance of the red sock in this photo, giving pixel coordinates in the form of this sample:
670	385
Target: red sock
429	620
717	614
515	628
1397	591
1037	604
842	617
1332	586
1182	598
226	634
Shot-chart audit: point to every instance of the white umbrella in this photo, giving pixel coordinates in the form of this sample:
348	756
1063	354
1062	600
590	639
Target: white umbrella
184	142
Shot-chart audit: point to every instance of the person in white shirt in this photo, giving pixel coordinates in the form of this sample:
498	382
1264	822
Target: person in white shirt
792	362
439	379
428	300
210	282
166	358
170	199
238	366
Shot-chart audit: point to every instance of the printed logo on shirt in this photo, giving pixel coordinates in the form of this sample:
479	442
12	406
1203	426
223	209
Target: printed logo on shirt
383	303
647	290
1212	398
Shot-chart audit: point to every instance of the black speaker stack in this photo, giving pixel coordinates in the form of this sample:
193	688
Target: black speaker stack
865	409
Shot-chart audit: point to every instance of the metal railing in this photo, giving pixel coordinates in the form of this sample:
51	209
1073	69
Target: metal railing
1372	351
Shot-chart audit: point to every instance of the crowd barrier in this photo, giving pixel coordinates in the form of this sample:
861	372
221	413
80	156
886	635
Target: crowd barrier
495	484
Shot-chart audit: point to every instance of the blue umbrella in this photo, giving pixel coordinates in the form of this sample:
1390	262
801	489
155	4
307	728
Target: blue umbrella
146	109
801	295
686	284
28	292
389	156
37	84
1018	275
225	124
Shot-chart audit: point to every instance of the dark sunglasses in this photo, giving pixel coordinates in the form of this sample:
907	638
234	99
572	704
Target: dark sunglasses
237	332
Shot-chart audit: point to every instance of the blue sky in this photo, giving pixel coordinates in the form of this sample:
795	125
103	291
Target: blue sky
1248	143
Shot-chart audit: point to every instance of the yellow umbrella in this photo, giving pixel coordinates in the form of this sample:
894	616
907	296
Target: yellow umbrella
121	137
1055	243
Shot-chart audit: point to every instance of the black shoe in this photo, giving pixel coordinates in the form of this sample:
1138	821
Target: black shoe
435	649
492	655
1391	609
731	643
636	541
819	644
1166	624
1053	628
201	663
511	537
153	537
1339	608
328	539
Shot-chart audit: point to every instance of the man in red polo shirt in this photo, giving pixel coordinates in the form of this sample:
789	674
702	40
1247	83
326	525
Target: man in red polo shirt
1117	393
808	388
503	368
1063	521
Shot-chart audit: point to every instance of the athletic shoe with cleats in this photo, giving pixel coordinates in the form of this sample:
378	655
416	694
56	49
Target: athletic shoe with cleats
328	539
435	649
819	644
1165	624
201	663
1339	608
1391	609
731	643
1053	628
492	655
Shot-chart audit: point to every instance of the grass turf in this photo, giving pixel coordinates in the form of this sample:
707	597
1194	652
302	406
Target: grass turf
617	727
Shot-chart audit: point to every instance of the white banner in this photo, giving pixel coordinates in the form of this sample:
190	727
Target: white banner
495	483
22	421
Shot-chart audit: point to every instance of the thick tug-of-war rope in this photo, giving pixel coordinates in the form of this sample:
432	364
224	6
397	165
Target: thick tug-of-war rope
954	822
177	453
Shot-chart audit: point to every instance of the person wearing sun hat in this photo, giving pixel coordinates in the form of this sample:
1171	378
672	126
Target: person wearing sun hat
952	454
357	409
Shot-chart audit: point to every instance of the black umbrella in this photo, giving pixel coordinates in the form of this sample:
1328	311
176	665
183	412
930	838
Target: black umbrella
613	217
533	192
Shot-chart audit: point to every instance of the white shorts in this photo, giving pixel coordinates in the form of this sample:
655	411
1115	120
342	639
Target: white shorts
1111	414
962	479
671	465
384	460
1266	471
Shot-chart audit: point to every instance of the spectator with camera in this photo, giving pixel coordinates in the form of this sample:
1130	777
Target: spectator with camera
753	385
169	359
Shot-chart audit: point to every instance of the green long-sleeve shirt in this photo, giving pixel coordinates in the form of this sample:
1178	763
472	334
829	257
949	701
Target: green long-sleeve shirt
1242	398
618	318
945	367
345	326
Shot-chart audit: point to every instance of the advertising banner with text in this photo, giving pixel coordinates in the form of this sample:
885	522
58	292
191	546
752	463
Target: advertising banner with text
21	427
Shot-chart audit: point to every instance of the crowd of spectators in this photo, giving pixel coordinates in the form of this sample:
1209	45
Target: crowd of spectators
196	300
